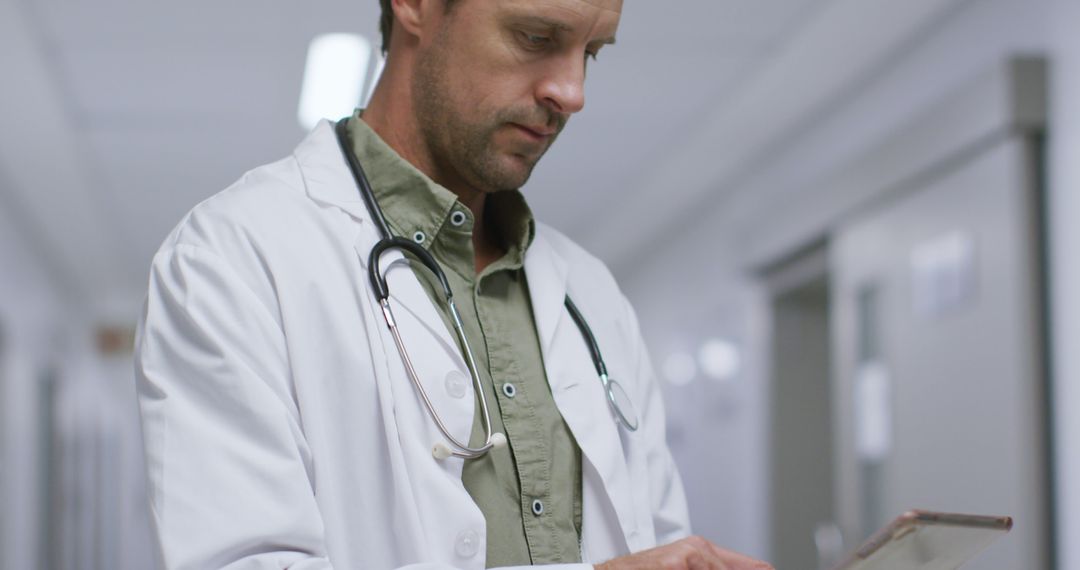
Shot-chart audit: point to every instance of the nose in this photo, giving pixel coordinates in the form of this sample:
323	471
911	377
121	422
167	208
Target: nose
562	90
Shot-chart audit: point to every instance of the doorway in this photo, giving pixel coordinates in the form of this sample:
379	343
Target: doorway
801	437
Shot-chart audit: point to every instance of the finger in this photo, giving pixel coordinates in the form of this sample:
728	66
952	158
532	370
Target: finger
739	561
703	558
704	555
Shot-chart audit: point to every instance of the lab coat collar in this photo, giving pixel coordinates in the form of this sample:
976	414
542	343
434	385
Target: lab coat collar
327	178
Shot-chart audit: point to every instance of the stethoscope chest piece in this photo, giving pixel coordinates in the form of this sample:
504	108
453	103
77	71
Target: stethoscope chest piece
621	405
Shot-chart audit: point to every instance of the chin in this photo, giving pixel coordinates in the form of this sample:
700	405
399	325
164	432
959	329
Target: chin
505	183
510	173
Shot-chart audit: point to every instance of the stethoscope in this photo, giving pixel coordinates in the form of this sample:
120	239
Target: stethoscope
618	399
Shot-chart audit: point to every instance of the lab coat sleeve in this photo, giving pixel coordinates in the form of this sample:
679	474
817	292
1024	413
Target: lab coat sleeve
229	472
671	520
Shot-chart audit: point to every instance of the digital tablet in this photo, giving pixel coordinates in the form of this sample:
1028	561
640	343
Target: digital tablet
923	540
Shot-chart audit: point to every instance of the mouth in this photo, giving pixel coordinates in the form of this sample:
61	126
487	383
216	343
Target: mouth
535	133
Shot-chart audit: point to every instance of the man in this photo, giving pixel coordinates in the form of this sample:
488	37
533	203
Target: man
282	428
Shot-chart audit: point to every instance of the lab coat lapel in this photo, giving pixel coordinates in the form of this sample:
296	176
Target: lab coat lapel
434	353
545	272
577	389
432	350
327	178
329	181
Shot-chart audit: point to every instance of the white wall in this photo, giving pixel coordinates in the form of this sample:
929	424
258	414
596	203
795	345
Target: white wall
1064	214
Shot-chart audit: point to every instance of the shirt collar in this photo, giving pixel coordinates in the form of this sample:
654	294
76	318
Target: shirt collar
420	209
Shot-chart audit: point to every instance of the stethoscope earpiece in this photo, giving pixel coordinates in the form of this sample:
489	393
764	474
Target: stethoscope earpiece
441	451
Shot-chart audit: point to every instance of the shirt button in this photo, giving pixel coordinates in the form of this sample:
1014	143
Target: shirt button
419	237
457	218
538	507
467	544
510	390
455	384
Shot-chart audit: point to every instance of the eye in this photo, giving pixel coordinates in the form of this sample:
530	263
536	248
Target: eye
534	41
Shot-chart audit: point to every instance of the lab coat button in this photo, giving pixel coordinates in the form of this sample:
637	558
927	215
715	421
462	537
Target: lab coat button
455	384
468	543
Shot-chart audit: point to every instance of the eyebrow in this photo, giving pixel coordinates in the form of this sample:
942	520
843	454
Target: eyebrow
564	27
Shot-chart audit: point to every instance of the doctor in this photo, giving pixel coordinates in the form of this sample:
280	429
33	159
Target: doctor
282	426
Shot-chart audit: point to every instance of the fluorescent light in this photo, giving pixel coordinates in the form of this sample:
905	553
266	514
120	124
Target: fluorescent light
337	65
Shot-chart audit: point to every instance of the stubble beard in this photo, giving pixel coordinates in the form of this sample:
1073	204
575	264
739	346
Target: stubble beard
459	146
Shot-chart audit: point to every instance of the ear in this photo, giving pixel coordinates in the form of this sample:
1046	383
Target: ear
412	15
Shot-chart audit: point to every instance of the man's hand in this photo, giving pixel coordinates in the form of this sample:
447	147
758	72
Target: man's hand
694	553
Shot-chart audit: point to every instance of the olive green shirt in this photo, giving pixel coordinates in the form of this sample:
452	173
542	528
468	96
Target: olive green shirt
529	491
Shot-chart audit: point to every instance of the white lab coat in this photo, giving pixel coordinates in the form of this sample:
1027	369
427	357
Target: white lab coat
280	428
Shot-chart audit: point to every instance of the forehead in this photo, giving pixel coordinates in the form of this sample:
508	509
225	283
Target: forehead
598	16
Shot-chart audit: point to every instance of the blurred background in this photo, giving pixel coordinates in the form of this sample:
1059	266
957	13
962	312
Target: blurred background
848	226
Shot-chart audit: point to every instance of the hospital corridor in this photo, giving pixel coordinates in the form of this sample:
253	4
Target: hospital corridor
812	263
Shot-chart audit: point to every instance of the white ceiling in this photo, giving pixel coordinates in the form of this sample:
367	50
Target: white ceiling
159	105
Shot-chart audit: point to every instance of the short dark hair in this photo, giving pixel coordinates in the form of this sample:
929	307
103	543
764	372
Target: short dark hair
386	22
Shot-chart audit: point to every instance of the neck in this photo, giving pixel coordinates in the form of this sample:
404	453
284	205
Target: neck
389	113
